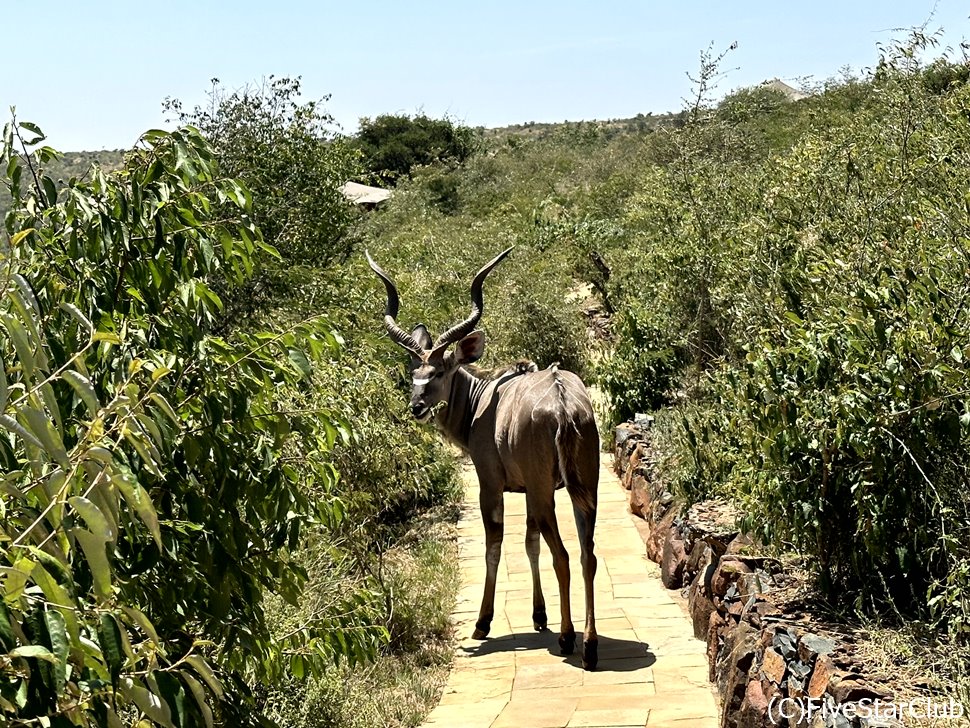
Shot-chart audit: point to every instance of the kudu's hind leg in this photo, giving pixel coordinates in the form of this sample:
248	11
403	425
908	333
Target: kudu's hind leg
493	516
585	525
560	563
539	618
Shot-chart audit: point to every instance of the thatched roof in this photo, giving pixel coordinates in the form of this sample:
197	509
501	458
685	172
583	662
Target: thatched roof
363	195
791	93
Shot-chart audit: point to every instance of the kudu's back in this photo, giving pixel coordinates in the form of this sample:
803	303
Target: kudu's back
546	432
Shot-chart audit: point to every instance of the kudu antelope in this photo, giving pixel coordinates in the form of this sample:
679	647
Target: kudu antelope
526	431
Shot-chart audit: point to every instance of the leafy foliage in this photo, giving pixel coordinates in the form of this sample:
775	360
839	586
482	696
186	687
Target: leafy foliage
293	164
393	145
148	500
640	373
806	261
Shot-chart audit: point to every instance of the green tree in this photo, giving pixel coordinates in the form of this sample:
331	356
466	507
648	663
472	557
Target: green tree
393	145
151	498
287	153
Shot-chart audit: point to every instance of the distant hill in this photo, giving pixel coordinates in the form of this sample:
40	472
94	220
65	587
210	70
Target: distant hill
71	165
538	130
78	164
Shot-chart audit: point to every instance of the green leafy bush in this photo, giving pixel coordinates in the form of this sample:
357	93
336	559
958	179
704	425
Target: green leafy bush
293	164
639	373
819	296
392	145
149	506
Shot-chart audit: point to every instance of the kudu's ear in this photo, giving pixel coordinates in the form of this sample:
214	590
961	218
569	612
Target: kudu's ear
471	348
421	335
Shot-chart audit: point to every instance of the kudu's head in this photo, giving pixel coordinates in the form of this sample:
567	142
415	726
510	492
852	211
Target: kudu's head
432	365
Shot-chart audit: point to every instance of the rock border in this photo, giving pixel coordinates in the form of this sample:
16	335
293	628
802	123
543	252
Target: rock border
771	668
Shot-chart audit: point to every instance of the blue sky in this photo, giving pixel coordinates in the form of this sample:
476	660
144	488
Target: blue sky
94	74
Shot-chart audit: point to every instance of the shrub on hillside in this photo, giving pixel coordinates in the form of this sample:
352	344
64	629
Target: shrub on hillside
639	373
392	145
833	276
286	151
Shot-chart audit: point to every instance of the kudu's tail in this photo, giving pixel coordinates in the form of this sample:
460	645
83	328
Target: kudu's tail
568	441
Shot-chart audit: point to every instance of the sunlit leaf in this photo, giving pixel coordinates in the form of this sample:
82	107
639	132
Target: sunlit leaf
38	652
139	618
195	687
44	431
8	423
78	316
138	499
202	668
59	597
19	237
82	385
93	547
166	408
147	702
60	644
109	636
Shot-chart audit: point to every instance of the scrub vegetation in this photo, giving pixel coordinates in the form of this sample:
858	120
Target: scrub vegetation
215	508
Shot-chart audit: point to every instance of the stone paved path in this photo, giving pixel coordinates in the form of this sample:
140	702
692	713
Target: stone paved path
652	672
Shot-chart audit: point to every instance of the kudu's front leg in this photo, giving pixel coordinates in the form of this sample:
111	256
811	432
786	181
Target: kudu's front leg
493	517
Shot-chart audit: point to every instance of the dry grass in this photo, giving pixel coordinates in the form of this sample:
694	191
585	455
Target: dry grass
919	668
403	685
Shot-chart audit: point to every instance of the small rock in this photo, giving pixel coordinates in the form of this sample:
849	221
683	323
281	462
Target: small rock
701	607
764	608
712	521
852	691
673	561
784	642
811	645
714	626
752	584
658	533
640	501
632	466
699	555
796	686
773	666
623	433
754	707
800	669
821	676
740	544
735	659
729	570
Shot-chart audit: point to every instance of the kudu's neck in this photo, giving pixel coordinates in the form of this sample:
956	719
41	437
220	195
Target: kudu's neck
455	420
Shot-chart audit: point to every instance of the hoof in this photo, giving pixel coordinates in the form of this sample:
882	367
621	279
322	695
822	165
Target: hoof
567	642
589	655
539	620
481	630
